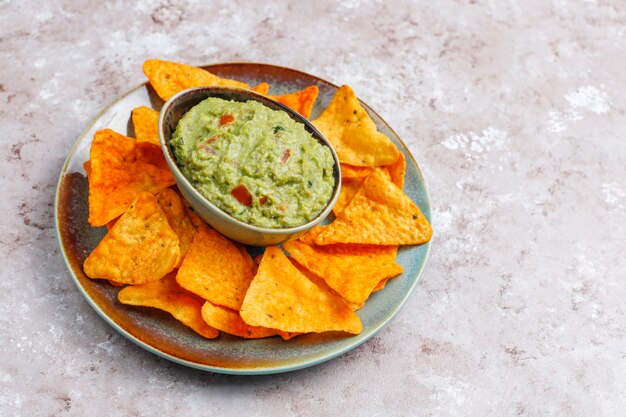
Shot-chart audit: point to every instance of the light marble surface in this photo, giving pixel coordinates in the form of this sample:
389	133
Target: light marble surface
515	112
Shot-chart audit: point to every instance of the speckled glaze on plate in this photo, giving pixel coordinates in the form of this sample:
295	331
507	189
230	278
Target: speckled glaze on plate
161	334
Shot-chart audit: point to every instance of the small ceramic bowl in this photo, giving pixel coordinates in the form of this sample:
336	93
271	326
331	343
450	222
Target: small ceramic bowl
175	108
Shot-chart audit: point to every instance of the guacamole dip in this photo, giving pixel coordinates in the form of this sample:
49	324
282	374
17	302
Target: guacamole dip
255	163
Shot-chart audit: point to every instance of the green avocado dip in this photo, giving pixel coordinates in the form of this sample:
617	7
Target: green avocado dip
256	164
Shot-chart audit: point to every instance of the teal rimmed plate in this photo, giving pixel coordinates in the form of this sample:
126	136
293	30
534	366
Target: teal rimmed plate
161	334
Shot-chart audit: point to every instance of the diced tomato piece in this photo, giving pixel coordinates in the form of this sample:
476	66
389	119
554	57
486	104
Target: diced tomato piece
286	154
242	195
226	119
262	200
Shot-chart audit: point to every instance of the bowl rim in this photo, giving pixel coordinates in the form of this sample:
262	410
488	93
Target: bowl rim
167	152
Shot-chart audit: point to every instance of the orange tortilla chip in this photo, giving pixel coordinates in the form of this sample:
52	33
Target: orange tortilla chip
350	171
229	321
110	224
311	276
280	297
146	123
168	78
195	219
121	168
349	188
397	170
247	258
309	237
87	167
140	248
353	271
165	294
353	133
381	285
178	219
215	269
380	214
301	101
262	88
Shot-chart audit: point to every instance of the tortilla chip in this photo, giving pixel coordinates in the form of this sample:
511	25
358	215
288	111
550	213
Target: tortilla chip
312	277
381	285
168	78
115	283
380	214
195	219
353	133
215	269
165	294
121	168
309	237
301	101
229	321
353	271
178	219
397	170
350	171
110	224
247	258
349	188
280	297
140	248
146	123
87	167
262	88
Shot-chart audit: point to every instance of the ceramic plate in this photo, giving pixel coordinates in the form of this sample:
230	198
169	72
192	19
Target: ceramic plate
158	332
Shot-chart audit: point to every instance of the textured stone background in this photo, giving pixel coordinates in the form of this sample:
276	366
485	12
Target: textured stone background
515	112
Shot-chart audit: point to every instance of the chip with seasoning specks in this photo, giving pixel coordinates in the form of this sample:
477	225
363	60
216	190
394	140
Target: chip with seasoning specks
353	133
165	294
349	188
168	78
281	297
353	271
380	214
229	321
301	101
215	269
141	247
177	217
146	124
119	169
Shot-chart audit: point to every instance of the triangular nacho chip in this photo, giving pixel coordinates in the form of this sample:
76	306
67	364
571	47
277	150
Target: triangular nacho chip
168	78
350	171
262	88
280	297
141	247
87	167
215	269
301	101
397	170
229	321
349	188
353	271
165	294
120	168
309	237
179	221
380	214
146	124
353	133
